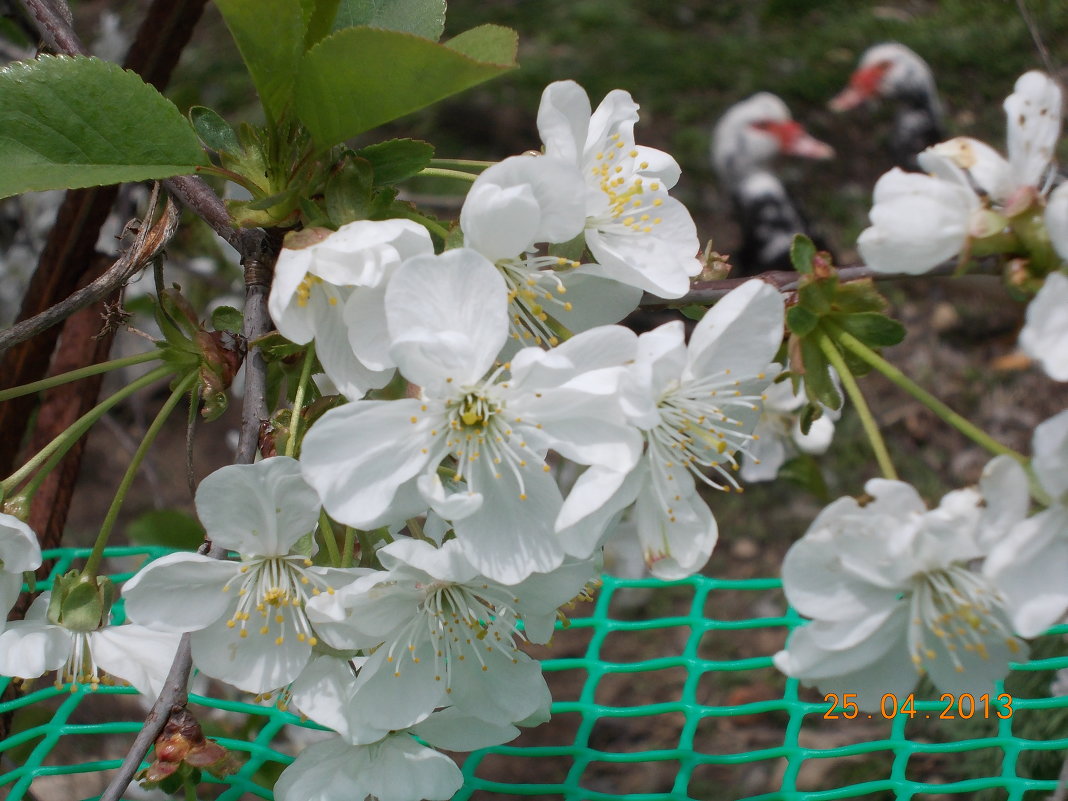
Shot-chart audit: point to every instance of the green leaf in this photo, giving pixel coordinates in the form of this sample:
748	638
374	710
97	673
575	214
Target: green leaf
167	527
802	251
344	86
348	192
873	329
214	131
72	122
801	321
270	37
424	18
319	18
227	318
819	386
397	159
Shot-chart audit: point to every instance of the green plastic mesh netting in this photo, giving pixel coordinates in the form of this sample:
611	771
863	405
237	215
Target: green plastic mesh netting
661	691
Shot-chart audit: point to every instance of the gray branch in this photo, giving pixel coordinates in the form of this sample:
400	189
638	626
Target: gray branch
150	240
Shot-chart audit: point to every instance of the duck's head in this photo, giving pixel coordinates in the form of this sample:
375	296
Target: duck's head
751	133
888	70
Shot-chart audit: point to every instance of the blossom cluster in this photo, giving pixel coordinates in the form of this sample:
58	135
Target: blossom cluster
973	201
512	367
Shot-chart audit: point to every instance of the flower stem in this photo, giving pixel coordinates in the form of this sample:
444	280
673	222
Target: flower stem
871	428
298	400
328	538
469	163
950	417
347	548
431	225
93	562
62	443
75	375
438	172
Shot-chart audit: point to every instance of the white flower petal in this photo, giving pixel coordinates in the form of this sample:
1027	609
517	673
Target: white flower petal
1033	111
447	316
1050	446
181	592
396	690
1045	333
677	541
1006	496
741	333
260	508
136	654
255	664
30	648
563	120
455	730
358	457
19	550
1056	219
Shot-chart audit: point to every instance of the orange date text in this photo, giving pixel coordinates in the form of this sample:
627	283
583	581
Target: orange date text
951	706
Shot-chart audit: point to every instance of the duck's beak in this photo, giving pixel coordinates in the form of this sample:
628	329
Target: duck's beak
794	140
863	85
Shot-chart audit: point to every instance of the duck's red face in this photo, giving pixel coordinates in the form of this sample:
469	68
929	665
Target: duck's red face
793	139
864	84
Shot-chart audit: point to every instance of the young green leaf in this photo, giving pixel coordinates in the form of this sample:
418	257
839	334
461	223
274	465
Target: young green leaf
72	122
214	131
362	77
319	16
801	321
801	253
424	18
819	386
397	159
270	37
227	318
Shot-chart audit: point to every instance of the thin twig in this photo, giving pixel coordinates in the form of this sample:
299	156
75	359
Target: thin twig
55	23
194	193
704	293
1036	37
151	237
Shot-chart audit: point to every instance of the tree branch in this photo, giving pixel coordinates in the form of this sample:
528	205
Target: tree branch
150	240
55	23
704	293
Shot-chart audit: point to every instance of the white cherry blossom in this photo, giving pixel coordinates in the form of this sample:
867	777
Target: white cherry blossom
638	234
890	590
331	288
439	634
134	654
696	407
525	200
487	427
247	617
1030	564
971	191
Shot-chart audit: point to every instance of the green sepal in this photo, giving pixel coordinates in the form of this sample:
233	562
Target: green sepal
872	328
227	318
819	385
397	159
801	321
455	239
215	132
859	296
802	251
81	603
304	546
818	295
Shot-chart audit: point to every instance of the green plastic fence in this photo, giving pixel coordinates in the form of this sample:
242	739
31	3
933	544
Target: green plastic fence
657	696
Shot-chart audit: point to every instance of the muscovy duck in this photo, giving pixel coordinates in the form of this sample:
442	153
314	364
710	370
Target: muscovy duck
745	141
893	71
